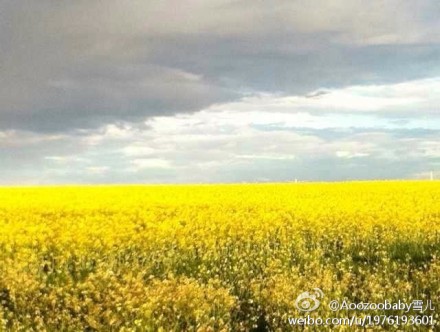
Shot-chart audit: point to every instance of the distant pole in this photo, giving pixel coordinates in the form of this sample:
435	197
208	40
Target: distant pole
296	180
432	175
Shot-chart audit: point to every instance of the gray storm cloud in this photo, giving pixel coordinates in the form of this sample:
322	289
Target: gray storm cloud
81	64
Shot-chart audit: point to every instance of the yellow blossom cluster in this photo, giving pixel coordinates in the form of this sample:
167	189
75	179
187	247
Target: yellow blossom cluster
213	257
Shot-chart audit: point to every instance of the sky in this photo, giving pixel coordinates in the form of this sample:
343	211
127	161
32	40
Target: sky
218	91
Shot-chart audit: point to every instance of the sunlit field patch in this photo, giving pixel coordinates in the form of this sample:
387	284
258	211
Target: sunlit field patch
212	257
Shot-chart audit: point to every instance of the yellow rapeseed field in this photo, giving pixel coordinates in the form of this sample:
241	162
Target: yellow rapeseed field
213	257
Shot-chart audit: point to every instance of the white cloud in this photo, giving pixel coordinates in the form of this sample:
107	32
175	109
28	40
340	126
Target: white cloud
137	149
350	154
431	148
273	156
421	97
140	164
97	170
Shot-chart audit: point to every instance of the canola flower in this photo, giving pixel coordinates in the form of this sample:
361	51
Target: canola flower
212	257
